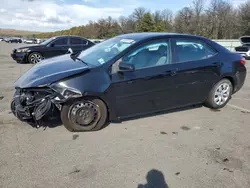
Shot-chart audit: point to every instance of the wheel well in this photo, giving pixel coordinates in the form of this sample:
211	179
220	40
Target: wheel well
96	97
231	80
33	52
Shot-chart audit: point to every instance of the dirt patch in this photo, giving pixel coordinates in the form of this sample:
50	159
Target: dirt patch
225	159
75	136
185	128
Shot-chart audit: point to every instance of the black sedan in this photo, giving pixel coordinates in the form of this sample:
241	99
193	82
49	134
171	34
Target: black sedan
52	47
13	40
128	76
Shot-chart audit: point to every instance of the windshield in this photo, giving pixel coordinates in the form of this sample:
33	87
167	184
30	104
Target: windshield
105	51
47	41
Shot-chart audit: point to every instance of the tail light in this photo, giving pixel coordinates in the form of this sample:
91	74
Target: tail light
243	61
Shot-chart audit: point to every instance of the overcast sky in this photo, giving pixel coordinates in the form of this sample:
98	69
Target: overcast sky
51	15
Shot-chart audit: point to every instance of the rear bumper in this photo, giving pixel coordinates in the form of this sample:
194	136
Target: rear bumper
240	77
19	57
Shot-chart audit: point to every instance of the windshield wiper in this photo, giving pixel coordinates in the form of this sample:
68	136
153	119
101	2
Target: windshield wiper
77	58
74	57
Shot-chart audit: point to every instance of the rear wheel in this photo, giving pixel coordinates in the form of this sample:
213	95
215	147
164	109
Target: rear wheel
220	94
34	58
84	115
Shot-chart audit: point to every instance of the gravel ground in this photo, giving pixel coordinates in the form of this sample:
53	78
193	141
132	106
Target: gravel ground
196	148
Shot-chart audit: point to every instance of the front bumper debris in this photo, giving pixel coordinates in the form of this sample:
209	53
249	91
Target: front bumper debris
34	104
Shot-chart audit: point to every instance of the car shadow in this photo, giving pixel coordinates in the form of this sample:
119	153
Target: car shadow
155	179
54	121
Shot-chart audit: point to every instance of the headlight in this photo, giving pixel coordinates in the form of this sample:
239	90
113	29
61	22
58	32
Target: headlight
22	50
65	91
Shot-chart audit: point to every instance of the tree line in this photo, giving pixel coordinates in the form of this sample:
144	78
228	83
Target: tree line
219	20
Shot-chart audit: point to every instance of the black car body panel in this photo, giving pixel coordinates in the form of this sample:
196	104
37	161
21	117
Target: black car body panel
54	46
141	91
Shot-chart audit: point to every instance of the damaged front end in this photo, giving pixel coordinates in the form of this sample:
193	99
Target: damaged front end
37	104
33	104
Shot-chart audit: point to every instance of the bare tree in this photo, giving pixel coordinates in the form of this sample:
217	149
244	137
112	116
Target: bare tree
183	20
220	13
138	13
244	18
167	17
198	8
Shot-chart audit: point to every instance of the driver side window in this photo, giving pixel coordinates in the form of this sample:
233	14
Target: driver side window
151	54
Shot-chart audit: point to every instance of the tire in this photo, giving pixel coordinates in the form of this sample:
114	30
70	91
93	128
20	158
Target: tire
34	57
98	122
219	95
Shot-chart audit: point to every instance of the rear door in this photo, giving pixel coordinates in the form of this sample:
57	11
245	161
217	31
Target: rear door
197	67
78	44
57	47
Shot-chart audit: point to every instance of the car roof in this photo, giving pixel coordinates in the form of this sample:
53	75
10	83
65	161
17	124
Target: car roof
149	35
61	36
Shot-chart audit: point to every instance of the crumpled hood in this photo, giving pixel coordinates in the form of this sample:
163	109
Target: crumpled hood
49	71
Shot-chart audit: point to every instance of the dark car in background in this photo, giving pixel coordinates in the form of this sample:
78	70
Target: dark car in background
14	40
129	76
50	48
244	49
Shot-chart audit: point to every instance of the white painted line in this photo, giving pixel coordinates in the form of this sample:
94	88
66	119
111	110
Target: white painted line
197	128
241	99
239	108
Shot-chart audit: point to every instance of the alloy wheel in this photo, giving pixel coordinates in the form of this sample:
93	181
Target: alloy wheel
222	94
35	58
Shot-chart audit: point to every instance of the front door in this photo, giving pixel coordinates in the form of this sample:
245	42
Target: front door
142	90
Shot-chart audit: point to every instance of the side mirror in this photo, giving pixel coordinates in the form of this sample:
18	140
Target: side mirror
123	67
70	51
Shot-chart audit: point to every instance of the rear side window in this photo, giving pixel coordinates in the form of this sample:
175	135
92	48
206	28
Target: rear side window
210	51
77	41
192	50
61	42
